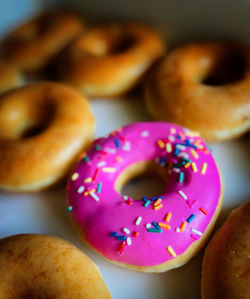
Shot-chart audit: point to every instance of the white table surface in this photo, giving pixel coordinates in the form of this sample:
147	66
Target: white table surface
45	212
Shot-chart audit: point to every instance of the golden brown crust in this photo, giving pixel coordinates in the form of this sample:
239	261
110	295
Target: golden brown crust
9	77
110	60
38	161
39	266
175	91
226	264
31	46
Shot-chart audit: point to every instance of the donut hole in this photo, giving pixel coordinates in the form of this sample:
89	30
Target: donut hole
27	121
142	179
226	69
107	43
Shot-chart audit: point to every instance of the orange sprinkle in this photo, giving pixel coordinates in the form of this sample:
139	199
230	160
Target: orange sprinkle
158	207
187	165
164	225
88	192
168	217
119	159
182	135
183	225
157	202
160	143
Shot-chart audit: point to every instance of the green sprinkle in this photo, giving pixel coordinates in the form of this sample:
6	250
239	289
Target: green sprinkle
70	208
99	187
147	203
86	159
181	177
154	230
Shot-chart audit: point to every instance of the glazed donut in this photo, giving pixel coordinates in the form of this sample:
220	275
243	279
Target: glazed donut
39	266
205	87
31	46
44	126
226	266
151	234
9	77
111	59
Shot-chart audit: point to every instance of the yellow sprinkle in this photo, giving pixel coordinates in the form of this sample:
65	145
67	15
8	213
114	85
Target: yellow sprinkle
158	207
193	152
168	217
172	131
160	143
74	176
187	165
164	225
88	180
157	202
108	169
168	147
171	251
119	159
193	165
204	168
183	225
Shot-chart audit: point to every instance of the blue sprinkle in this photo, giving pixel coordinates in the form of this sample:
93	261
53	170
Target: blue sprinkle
155	198
70	208
154	230
121	238
99	187
147	203
114	234
117	143
188	144
144	198
98	147
156	225
176	151
86	159
190	218
162	159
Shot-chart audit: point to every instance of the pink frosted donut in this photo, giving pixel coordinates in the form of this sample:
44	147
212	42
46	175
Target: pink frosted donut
150	234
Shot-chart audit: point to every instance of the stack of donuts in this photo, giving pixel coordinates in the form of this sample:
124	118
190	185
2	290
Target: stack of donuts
50	69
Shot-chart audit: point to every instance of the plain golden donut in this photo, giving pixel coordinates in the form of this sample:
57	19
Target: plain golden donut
31	46
109	60
39	266
9	77
226	264
44	126
205	87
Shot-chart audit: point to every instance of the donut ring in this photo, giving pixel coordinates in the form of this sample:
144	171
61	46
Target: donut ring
111	59
148	235
176	90
226	267
39	266
9	77
31	46
44	126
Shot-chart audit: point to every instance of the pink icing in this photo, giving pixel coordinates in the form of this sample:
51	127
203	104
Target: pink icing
101	214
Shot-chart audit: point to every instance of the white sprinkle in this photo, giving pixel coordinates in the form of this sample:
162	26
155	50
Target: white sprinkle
125	197
171	138
144	134
177	230
177	170
180	147
196	232
182	194
100	164
126	230
129	242
110	150
81	189
94	196
126	146
108	169
138	220
148	225
184	155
